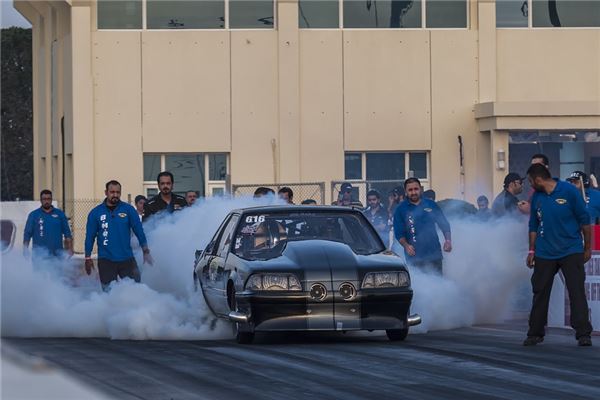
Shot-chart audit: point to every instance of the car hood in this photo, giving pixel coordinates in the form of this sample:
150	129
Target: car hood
323	254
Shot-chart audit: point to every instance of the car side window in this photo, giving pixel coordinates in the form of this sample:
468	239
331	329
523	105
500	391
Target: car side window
226	237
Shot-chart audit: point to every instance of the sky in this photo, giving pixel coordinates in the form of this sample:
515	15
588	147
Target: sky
11	17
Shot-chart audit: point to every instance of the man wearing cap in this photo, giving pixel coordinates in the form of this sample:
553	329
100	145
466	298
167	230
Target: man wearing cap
592	197
345	197
559	239
507	202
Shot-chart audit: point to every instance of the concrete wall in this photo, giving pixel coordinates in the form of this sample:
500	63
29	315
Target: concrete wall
287	103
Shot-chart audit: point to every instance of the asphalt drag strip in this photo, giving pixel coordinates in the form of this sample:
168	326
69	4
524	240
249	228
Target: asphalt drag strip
483	362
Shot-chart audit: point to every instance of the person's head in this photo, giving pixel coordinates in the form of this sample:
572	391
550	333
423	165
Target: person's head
538	175
429	194
540	159
346	191
263	191
165	182
309	202
413	189
140	201
579	178
513	183
46	199
286	194
400	193
482	202
190	197
113	192
373	198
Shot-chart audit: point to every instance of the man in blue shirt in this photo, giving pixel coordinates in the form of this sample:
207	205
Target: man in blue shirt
111	222
557	220
592	197
415	220
47	226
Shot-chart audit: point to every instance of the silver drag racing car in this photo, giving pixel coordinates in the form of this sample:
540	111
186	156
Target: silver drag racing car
303	268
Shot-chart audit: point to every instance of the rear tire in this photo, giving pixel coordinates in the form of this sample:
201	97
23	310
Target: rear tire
396	335
240	337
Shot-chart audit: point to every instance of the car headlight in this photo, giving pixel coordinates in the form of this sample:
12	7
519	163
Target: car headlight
374	280
273	282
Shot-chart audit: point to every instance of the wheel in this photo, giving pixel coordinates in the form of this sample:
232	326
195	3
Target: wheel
240	336
396	335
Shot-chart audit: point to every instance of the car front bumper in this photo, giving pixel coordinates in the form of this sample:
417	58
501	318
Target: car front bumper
371	309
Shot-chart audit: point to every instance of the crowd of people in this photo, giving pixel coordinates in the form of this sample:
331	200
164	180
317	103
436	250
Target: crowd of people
560	214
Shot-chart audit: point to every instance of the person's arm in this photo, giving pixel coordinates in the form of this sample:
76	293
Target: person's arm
583	217
138	230
400	232
27	234
533	227
91	230
444	225
66	232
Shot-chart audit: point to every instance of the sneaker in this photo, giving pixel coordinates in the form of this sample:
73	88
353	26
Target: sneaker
533	340
584	341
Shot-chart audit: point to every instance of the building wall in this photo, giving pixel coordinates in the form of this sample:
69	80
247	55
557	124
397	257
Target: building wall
287	103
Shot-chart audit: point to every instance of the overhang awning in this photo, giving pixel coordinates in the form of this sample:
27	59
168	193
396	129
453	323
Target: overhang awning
551	115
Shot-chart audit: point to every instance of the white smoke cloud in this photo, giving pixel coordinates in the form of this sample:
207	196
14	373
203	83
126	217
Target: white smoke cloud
56	300
482	276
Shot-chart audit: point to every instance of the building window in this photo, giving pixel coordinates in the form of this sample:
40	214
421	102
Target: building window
189	171
164	14
353	166
565	13
318	14
386	166
446	13
382	14
512	13
251	14
119	14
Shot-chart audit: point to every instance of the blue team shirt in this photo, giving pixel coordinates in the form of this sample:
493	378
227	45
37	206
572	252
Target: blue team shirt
47	230
557	219
593	204
416	224
113	231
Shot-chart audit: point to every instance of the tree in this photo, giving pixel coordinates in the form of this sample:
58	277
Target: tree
17	115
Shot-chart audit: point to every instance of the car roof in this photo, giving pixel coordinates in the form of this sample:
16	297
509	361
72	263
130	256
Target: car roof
295	209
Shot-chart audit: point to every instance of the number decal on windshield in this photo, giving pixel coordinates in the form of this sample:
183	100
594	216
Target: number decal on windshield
255	218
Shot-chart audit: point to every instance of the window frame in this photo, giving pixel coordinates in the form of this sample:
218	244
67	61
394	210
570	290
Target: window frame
209	185
422	27
530	22
145	24
407	154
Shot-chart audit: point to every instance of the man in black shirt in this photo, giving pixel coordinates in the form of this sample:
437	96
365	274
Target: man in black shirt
377	216
166	199
507	202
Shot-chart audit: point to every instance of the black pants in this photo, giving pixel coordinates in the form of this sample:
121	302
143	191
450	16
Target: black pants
430	266
541	281
110	270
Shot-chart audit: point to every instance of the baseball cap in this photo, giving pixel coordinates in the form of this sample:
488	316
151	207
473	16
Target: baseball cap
579	175
512	177
346	187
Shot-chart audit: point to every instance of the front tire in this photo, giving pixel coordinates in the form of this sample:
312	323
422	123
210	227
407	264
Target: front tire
240	336
396	335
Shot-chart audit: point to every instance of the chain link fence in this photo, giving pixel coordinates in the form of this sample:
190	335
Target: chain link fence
77	212
302	191
361	188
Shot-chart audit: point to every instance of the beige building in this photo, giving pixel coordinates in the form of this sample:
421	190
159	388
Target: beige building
247	92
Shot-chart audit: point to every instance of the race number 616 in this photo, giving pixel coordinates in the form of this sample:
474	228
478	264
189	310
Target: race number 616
255	218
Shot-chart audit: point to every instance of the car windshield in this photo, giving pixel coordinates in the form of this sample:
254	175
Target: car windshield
262	236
